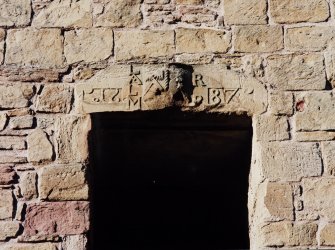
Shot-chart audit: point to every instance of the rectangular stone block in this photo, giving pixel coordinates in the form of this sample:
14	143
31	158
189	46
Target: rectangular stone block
314	136
245	12
15	13
8	229
88	45
143	44
328	152
6	204
21	122
29	246
56	218
2	44
281	103
272	128
296	72
327	235
40	48
292	11
63	183
16	95
10	142
27	184
290	161
258	38
7	174
202	41
7	156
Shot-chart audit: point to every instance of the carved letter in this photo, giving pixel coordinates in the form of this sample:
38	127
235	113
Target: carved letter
199	81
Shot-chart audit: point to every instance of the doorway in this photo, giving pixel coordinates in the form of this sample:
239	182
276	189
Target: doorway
169	180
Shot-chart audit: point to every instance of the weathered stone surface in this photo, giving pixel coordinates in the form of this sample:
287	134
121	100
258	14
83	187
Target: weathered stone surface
296	72
8	229
42	48
330	67
10	142
314	136
15	13
304	234
3	120
245	12
71	136
195	2
32	246
63	183
21	122
289	161
258	38
272	128
291	11
27	74
318	197
7	174
56	218
316	111
6	204
202	41
327	235
88	45
75	242
143	44
119	13
2	44
65	13
281	103
16	95
39	147
279	201
313	38
13	156
55	98
328	152
28	182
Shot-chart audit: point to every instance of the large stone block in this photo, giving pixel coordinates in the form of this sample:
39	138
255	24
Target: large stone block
29	246
292	11
88	45
202	41
296	72
6	204
15	13
245	12
289	161
119	13
8	229
39	147
16	95
316	111
63	183
143	44
327	235
56	218
41	48
272	128
65	13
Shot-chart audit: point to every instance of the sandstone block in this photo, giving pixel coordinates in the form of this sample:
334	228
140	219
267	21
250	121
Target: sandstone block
27	184
119	13
291	11
245	12
258	38
143	44
39	147
304	234
8	229
328	152
313	38
330	67
7	174
16	95
27	246
42	48
289	161
202	41
316	111
11	142
3	120
296	72
15	13
272	128
9	156
65	13
281	103
56	218
2	44
88	45
194	2
63	183
75	242
314	136
21	122
327	235
55	98
6	204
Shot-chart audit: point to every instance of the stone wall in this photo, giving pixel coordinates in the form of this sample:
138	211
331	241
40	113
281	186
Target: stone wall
61	60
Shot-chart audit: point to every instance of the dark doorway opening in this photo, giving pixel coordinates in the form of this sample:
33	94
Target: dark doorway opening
169	180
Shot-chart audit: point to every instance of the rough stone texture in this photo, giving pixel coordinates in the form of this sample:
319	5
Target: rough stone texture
6	204
315	136
76	242
202	41
296	72
245	12
63	183
16	95
57	218
3	120
10	142
258	38
8	156
2	44
55	98
65	13
28	181
7	174
272	128
143	44
281	103
195	2
15	13
21	122
8	229
79	45
284	161
32	246
327	235
39	147
328	152
119	13
330	68
40	48
291	11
